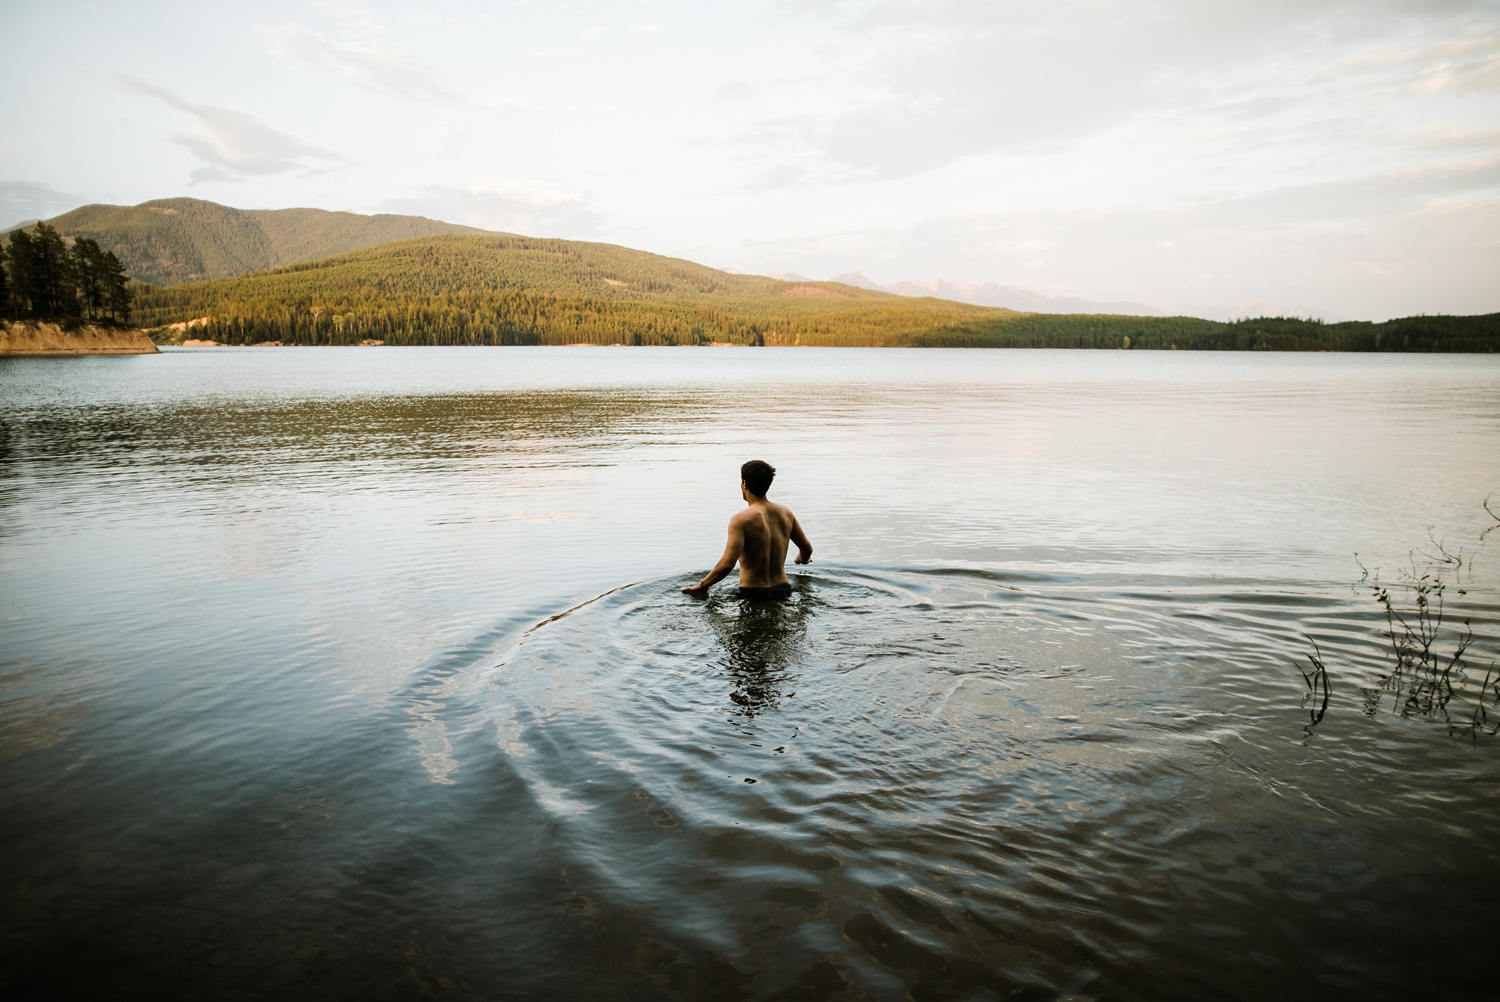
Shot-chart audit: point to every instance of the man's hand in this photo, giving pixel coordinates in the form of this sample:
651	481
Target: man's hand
804	545
697	589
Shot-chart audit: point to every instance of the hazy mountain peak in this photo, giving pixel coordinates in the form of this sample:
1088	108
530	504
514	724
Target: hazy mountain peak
858	280
167	241
1024	300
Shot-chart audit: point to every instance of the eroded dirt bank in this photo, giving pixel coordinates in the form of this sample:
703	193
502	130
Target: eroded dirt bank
31	337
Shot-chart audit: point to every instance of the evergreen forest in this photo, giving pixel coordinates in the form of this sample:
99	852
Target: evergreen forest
496	289
43	278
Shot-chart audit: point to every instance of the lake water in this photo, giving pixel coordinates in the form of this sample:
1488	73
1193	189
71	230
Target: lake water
364	673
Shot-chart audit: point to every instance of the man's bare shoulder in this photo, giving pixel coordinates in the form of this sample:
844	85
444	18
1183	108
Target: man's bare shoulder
743	516
770	507
783	511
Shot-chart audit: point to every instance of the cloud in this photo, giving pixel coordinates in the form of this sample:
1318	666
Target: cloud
1387	243
531	207
370	67
735	91
419	15
234	144
448	139
1441	138
953	78
23	201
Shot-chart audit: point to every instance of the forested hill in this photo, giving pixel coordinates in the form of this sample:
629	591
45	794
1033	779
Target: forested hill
173	240
499	289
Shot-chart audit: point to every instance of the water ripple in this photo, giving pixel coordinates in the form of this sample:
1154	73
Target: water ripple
959	779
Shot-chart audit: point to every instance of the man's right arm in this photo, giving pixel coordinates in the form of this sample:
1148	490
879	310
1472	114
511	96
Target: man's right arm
804	548
733	547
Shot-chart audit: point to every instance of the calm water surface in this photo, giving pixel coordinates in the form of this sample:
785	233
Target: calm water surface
345	673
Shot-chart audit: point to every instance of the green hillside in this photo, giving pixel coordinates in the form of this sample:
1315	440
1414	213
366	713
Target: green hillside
519	290
173	240
498	289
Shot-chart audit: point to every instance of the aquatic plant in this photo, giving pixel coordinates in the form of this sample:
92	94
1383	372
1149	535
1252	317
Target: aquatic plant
1317	683
1430	673
1423	680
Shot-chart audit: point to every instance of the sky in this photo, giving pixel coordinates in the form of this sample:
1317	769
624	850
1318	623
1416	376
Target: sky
1333	155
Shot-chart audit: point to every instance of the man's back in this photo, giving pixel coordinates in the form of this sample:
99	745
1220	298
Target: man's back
767	528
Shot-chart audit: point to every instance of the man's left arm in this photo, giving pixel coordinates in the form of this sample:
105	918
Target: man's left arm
732	550
804	548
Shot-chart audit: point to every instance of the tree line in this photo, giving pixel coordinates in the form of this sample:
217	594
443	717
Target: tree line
1471	334
42	278
506	290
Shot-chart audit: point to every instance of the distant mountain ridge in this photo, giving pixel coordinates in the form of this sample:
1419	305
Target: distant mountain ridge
1012	298
1006	296
169	241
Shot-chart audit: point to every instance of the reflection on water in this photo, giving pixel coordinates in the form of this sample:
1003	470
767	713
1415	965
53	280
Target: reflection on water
366	675
761	642
346	431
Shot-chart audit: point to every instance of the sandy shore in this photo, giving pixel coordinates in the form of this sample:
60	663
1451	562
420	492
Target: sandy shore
31	337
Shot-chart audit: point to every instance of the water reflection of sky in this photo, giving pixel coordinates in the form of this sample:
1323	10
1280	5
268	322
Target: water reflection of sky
1226	459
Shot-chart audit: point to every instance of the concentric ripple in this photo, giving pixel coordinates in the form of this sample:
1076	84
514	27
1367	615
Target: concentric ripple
963	784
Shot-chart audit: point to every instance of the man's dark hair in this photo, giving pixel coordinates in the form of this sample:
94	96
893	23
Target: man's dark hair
757	475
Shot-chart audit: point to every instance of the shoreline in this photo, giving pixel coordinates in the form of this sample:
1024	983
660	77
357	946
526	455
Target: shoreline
33	338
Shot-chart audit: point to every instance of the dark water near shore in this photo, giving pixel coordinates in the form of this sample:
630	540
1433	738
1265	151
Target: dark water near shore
345	673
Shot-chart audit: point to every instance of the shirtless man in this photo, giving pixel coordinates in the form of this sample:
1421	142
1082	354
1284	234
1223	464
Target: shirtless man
758	538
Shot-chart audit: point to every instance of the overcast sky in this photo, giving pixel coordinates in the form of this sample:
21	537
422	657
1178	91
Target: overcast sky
1342	155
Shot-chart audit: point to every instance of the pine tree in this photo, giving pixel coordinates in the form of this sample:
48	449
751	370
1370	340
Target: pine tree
51	278
4	287
20	257
88	277
117	295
